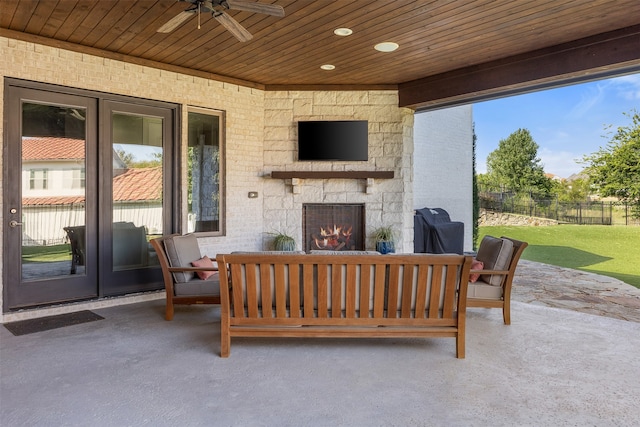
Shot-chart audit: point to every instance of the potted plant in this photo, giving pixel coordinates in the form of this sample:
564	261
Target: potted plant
283	242
385	242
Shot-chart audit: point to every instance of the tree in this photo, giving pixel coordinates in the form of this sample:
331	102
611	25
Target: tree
130	161
476	198
577	190
615	169
126	157
515	166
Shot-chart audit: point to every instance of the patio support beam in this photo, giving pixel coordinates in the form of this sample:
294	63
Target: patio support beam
590	58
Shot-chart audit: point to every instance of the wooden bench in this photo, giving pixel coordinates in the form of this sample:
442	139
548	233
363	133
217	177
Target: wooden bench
345	296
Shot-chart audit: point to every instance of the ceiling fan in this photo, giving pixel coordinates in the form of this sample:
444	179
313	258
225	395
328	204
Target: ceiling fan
217	9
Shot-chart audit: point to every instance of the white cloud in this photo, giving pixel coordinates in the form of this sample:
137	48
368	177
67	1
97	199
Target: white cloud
481	165
625	87
561	163
628	87
589	99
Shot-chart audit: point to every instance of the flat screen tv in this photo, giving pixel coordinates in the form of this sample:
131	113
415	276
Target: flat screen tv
342	140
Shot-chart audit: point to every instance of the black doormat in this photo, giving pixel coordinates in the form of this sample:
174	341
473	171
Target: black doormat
30	326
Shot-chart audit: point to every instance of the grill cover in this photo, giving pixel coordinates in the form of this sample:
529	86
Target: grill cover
435	233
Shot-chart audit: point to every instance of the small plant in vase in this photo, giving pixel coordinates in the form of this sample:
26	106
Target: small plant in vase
283	242
385	242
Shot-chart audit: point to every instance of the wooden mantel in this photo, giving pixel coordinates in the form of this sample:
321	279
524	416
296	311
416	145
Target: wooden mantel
297	176
333	174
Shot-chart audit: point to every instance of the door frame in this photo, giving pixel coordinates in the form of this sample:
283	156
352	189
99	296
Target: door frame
173	210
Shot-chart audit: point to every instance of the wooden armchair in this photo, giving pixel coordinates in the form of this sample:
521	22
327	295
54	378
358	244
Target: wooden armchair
493	287
189	278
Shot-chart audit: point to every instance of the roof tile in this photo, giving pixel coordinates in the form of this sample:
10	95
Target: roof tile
52	148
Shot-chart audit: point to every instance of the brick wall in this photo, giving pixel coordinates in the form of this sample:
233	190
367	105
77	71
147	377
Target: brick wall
243	107
445	137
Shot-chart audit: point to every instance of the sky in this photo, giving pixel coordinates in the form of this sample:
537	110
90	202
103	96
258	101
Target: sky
566	123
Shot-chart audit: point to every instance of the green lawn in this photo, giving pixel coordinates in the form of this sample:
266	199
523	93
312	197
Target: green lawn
46	253
608	250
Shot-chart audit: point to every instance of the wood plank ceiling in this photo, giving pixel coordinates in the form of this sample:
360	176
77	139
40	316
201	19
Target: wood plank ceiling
435	37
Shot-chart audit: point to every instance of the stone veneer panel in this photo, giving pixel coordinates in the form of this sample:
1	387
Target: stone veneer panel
390	146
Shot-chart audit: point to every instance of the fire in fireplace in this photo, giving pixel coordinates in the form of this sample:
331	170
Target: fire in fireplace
332	238
333	227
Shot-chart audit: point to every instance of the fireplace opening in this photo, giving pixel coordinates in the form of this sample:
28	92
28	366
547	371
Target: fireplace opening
333	227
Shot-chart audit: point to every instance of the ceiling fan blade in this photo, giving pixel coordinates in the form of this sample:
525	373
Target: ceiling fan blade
268	9
233	26
174	22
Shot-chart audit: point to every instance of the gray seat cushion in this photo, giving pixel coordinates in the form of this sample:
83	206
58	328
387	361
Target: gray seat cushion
496	254
181	252
197	286
483	290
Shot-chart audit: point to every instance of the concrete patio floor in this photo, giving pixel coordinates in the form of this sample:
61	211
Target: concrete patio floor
551	367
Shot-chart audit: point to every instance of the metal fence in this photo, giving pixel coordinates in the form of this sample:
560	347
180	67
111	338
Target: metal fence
590	212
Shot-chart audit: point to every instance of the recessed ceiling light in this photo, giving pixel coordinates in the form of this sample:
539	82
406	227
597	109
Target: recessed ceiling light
328	67
343	31
386	46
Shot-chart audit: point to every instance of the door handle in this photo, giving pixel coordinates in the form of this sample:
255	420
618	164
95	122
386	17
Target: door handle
14	223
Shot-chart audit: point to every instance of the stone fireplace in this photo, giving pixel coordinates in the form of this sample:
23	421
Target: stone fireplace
333	226
382	185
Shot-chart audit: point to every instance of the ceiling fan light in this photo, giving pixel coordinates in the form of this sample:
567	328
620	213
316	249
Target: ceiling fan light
343	32
328	67
386	46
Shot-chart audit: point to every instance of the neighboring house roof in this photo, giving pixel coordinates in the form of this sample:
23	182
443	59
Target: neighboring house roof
55	200
143	184
135	185
52	148
49	148
553	177
138	184
579	175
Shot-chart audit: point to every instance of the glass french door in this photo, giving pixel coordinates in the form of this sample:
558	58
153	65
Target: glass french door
135	192
87	183
49	157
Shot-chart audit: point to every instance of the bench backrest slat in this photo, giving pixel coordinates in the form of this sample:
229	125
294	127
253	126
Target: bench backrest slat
365	291
434	291
336	290
238	297
450	292
421	291
407	292
378	300
294	291
308	290
310	286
